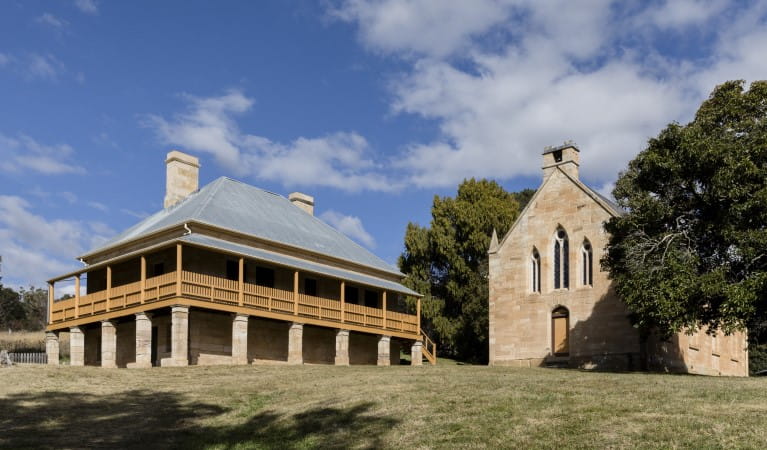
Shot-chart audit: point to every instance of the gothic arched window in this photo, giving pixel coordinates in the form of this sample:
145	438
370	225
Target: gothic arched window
561	260
535	271
587	263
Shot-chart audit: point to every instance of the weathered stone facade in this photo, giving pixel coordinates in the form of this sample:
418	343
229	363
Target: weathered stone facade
559	238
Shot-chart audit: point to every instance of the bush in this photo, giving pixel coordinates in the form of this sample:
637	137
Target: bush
757	358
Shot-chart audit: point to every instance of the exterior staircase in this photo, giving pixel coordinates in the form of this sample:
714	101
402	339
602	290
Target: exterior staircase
429	349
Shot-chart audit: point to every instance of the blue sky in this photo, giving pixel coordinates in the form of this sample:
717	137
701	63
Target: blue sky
372	107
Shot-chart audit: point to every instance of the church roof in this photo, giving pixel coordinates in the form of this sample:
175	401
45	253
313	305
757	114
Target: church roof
246	209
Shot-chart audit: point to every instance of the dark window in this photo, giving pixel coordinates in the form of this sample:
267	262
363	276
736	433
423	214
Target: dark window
232	270
158	269
588	261
310	286
371	299
265	276
558	156
566	264
351	295
536	271
557	254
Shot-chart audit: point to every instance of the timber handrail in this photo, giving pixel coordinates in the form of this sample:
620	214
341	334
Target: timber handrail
429	349
214	289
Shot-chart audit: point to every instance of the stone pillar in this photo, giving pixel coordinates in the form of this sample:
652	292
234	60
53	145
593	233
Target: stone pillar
143	342
76	347
108	345
52	347
416	354
296	343
342	348
179	338
384	350
240	339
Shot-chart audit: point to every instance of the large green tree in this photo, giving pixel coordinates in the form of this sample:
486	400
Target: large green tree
447	263
692	249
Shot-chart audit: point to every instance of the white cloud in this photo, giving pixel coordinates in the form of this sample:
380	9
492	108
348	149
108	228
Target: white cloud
4	59
502	86
35	248
87	6
52	21
350	226
341	160
25	153
43	67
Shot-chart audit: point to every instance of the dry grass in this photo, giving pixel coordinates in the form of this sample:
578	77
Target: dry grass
31	341
397	407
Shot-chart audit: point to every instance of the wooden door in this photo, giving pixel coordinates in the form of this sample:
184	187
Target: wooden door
559	332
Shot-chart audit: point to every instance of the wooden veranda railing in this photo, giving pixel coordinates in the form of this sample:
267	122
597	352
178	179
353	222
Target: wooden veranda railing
429	349
218	290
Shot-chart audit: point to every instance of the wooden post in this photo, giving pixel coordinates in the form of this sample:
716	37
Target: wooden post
77	295
50	302
109	285
178	270
295	293
384	309
241	285
142	296
418	315
343	298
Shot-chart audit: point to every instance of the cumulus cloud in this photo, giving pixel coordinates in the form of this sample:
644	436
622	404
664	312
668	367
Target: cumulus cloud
87	6
517	75
25	153
341	160
42	67
350	226
35	248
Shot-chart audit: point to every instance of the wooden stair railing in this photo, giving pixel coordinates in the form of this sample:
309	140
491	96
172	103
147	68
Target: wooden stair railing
429	349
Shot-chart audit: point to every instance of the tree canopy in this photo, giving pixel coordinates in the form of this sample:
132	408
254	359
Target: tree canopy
448	263
692	249
24	310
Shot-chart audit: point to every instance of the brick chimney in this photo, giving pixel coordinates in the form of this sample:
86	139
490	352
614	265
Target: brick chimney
303	201
565	156
182	177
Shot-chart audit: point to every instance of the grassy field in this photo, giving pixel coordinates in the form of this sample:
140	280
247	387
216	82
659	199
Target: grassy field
371	407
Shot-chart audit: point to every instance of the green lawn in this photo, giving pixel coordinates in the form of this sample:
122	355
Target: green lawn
394	407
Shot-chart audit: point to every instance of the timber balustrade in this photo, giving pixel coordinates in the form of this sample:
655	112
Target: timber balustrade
218	290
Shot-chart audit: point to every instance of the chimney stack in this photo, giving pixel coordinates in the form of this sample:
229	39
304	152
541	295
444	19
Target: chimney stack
565	156
182	177
303	201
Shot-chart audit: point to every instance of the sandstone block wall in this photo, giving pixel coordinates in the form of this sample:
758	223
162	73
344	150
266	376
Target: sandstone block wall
520	320
210	338
363	348
126	342
700	354
319	345
267	340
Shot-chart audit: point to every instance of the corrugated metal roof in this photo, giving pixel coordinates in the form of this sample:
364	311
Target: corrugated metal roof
236	206
297	263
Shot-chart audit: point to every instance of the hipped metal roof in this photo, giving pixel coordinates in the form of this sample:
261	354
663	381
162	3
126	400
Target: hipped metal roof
236	206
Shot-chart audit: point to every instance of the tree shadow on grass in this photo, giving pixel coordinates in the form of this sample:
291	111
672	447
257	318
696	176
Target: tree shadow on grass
141	419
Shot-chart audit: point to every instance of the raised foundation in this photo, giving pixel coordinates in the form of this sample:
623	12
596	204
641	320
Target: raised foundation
108	345
416	353
143	342
295	343
240	339
384	351
76	347
179	332
52	347
342	348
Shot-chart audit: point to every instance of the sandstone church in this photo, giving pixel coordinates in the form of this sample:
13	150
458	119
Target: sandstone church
551	304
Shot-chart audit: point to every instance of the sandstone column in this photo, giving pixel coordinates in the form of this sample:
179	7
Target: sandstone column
179	337
342	348
384	350
108	344
240	339
76	347
416	353
143	342
52	347
296	343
